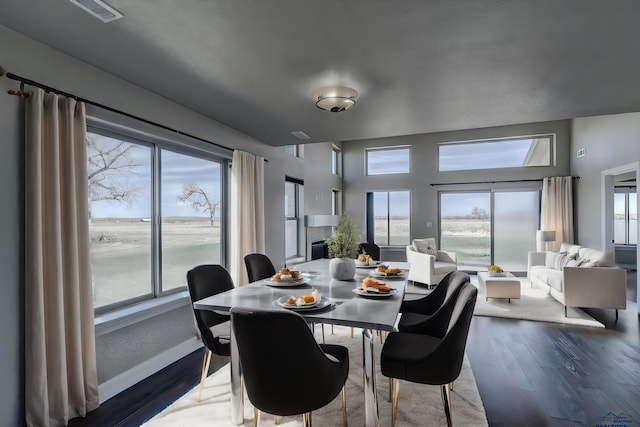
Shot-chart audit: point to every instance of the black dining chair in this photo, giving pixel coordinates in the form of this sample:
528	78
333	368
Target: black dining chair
430	314
285	370
427	359
214	328
259	267
370	249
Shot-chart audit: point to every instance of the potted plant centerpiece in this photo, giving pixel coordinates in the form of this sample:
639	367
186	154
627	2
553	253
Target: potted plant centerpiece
343	249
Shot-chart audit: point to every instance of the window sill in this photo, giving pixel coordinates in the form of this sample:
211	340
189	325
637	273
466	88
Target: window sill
126	316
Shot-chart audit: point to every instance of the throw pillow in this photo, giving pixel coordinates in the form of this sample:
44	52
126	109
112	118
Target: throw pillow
432	251
565	260
553	260
420	245
575	262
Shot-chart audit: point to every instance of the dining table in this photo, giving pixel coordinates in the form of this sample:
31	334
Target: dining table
341	304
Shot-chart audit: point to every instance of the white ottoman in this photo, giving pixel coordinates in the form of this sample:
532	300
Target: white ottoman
507	286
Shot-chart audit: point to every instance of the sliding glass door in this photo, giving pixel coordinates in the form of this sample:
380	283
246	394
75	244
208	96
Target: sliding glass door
515	222
485	227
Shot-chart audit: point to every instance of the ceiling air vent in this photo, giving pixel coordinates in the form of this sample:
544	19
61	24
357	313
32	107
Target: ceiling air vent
98	9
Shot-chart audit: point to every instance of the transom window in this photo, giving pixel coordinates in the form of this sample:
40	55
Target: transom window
518	152
155	213
383	161
336	161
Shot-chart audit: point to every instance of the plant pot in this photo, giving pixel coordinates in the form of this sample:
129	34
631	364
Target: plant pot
342	268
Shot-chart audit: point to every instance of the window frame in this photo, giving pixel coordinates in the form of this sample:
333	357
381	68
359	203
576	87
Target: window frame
552	150
336	160
627	191
298	216
156	145
370	217
389	149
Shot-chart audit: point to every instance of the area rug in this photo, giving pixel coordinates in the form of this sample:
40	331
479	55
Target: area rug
418	405
534	304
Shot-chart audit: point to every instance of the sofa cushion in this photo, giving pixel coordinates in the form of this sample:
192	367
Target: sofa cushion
569	248
558	260
554	279
596	258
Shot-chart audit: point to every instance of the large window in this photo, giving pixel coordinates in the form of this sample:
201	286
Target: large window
154	214
388	217
499	153
293	229
487	227
383	161
625	223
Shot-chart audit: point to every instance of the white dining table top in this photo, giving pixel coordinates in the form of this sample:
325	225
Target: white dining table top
347	308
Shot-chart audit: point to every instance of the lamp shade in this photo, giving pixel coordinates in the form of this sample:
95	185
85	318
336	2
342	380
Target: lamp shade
546	235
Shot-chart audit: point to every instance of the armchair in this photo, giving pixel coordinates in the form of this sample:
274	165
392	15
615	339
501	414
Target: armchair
429	265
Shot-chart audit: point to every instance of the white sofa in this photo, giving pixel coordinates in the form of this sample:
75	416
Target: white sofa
429	265
579	277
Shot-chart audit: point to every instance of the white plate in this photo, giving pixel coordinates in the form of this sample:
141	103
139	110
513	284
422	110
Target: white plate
324	302
373	294
373	264
286	283
395	276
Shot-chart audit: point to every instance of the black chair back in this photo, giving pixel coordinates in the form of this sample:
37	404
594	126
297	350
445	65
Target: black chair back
285	371
259	267
432	316
425	359
204	281
371	249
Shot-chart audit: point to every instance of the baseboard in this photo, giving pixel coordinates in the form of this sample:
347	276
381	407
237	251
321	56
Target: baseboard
121	382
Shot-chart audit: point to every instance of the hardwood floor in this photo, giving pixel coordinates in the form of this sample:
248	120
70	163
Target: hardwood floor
528	374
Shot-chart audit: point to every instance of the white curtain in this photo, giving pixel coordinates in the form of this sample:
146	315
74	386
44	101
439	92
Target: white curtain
60	359
557	209
247	212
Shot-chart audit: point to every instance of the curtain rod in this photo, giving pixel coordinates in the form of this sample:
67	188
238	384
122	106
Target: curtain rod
494	182
21	93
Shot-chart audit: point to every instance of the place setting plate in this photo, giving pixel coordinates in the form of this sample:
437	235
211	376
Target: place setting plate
373	293
374	264
317	305
379	275
286	283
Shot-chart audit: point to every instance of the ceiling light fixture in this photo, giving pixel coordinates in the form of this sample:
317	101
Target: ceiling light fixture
335	98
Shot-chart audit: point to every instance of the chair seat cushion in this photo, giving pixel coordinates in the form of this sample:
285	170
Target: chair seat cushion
444	267
402	350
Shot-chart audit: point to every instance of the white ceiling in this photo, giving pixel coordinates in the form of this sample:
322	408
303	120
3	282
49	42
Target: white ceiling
420	66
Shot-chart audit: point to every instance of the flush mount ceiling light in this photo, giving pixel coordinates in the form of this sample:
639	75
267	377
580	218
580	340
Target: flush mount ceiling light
335	98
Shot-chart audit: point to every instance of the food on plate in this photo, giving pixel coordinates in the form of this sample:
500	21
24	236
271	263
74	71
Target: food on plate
365	259
311	298
388	271
370	282
286	274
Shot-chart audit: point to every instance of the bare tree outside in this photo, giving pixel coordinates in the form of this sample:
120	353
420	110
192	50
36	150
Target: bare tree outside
199	200
110	168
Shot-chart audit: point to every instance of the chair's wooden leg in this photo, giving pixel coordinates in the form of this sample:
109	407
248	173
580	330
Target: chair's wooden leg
344	406
390	389
306	419
446	400
331	329
394	401
322	326
256	417
451	386
276	419
352	332
205	370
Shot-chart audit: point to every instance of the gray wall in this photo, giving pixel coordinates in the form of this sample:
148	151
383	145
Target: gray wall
424	197
610	141
36	61
11	259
